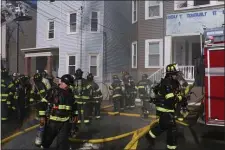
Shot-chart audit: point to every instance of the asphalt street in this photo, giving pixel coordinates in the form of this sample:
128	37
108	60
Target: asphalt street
197	137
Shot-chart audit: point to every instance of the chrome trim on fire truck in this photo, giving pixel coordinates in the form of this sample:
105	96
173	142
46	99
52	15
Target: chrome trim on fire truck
216	48
215	71
209	92
215	122
214	45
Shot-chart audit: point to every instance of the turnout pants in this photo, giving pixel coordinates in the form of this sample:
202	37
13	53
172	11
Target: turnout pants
60	129
83	112
97	109
4	111
117	103
166	123
145	106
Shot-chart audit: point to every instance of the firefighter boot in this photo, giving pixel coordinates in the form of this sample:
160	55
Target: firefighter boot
150	139
39	136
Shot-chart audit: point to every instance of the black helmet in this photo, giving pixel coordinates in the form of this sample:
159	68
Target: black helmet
90	77
79	73
115	77
67	79
144	76
37	77
172	68
44	74
4	72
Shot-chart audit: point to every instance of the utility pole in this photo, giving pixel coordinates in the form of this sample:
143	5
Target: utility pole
81	25
21	15
17	45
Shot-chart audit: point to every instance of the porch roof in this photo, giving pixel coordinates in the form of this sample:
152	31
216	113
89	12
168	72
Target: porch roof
40	51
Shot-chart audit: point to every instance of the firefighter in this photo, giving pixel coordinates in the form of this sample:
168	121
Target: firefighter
117	93
5	102
96	96
131	91
125	81
82	95
38	92
26	86
166	99
55	112
143	88
16	96
46	80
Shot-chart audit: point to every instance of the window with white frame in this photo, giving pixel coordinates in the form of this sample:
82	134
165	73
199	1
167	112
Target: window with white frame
94	21
134	55
153	9
73	22
71	64
134	11
189	4
51	29
153	53
93	63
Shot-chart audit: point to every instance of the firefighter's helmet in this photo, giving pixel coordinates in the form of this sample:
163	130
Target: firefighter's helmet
144	76
115	77
44	74
67	79
90	77
172	68
79	73
4	72
37	77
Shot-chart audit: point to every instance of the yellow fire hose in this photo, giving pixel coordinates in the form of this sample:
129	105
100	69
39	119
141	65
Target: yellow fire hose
18	133
142	133
107	139
141	130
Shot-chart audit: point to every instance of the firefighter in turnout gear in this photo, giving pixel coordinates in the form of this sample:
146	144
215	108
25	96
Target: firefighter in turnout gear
125	81
131	92
5	102
82	95
166	100
46	80
56	112
117	93
143	88
96	97
17	98
38	93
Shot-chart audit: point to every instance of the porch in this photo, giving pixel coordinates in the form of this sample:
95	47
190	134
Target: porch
46	58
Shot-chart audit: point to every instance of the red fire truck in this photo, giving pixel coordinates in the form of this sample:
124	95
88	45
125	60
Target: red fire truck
214	61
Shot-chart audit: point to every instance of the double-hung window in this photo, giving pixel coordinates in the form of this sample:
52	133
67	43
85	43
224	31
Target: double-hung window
51	29
93	64
134	55
71	64
153	9
73	22
94	21
153	53
134	11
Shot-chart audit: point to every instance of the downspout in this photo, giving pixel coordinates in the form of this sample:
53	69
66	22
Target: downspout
81	36
163	33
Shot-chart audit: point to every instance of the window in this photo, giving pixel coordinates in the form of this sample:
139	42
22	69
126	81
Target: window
153	53
52	0
72	64
51	29
93	65
189	4
94	21
153	9
73	22
134	55
200	2
181	4
134	11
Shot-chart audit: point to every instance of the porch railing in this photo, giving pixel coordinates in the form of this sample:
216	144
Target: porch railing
189	72
156	76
